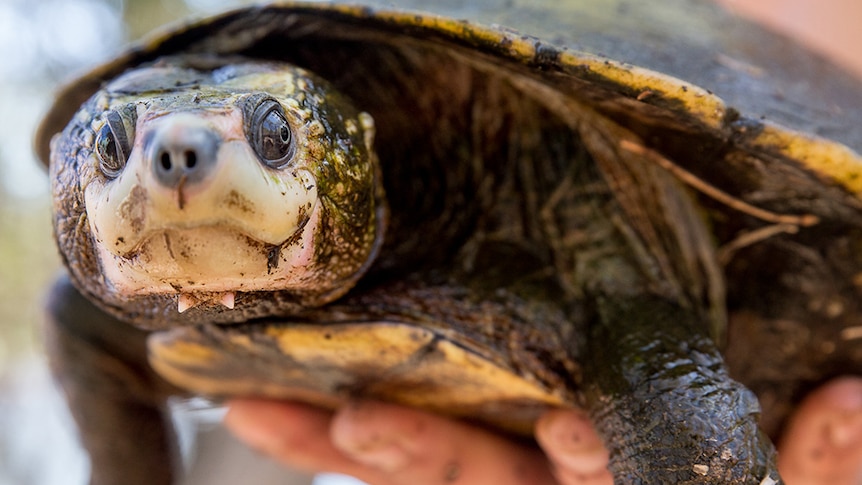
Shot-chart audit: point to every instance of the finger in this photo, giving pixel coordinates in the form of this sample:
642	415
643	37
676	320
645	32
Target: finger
296	435
575	450
822	443
417	448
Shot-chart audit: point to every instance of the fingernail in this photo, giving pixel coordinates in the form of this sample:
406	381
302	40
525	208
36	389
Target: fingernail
845	430
571	431
376	452
842	399
353	433
571	442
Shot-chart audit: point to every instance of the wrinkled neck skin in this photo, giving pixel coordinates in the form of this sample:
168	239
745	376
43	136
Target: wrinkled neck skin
190	191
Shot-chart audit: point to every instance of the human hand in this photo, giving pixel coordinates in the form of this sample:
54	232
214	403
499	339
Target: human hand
384	444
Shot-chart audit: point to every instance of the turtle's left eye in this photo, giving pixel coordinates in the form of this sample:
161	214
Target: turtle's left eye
112	145
270	134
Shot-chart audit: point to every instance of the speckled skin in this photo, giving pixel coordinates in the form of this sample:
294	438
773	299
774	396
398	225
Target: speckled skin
614	236
343	174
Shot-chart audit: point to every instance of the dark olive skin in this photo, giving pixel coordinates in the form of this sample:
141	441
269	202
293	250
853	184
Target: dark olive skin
624	242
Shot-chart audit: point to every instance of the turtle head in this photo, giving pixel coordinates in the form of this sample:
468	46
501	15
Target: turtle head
189	191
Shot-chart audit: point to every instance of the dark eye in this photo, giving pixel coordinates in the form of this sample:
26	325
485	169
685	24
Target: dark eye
112	145
271	136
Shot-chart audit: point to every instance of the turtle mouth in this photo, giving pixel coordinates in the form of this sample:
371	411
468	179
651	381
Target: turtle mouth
177	240
210	263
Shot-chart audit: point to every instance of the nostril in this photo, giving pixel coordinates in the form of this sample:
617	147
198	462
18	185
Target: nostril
165	161
182	152
191	159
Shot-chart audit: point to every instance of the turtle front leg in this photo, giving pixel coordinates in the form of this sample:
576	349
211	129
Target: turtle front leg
116	400
661	397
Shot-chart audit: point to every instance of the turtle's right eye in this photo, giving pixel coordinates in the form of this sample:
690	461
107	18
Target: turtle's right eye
112	145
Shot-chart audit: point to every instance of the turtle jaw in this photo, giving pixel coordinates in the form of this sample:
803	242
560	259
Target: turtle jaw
211	263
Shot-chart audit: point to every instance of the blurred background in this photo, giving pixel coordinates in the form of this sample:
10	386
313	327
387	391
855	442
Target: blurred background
44	42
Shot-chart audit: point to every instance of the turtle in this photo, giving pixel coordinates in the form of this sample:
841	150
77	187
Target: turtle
647	210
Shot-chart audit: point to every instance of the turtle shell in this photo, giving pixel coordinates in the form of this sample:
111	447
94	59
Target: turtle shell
754	73
478	119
